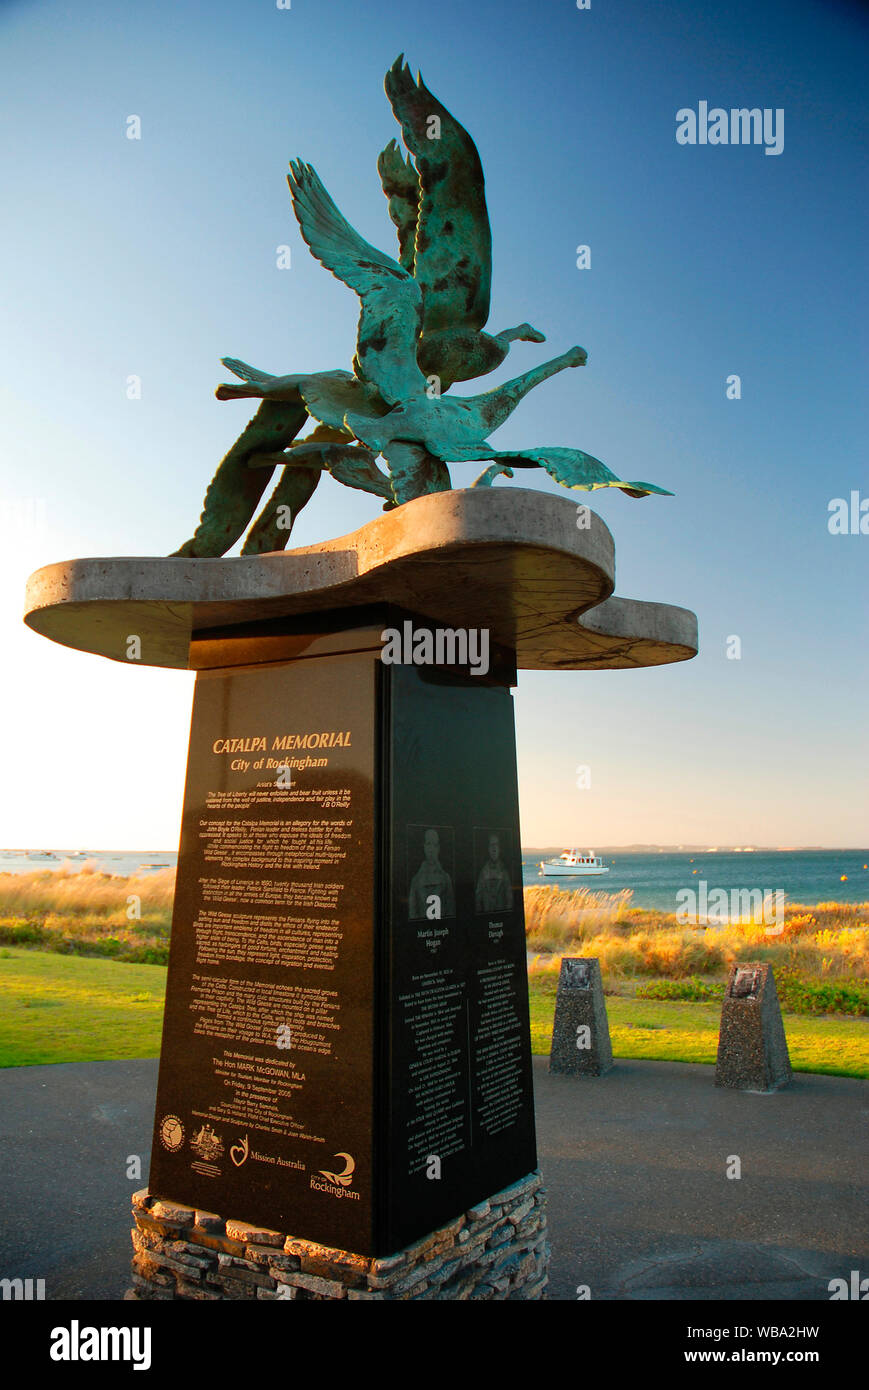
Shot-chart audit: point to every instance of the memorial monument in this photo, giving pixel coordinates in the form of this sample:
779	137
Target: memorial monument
345	1103
752	1047
580	1032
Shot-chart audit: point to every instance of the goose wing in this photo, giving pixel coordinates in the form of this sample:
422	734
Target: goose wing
390	320
575	469
570	467
401	186
453	260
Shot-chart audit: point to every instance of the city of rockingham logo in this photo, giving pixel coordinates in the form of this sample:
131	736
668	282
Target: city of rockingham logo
337	1184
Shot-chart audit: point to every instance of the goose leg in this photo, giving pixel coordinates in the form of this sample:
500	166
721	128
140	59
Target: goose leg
523	334
348	464
272	528
235	489
413	471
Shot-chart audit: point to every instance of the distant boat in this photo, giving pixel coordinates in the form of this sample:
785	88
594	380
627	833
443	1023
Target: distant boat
572	864
41	854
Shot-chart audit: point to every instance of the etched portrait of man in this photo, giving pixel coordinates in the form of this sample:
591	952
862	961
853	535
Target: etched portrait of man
431	881
494	892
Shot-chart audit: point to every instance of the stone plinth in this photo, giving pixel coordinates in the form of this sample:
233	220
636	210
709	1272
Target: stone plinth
496	1250
752	1047
580	1035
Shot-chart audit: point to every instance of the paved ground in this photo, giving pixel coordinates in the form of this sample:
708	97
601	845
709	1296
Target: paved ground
639	1203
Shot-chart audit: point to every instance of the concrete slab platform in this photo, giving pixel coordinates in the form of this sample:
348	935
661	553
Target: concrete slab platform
515	556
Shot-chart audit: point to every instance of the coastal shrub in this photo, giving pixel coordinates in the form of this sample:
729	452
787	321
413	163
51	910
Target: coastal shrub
138	942
839	955
146	955
800	996
679	953
691	988
793	927
796	994
839	914
16	933
84	913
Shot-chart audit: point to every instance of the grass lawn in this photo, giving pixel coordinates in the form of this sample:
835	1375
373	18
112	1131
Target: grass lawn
59	1008
688	1032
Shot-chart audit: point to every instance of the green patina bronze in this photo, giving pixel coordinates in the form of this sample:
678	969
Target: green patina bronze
421	328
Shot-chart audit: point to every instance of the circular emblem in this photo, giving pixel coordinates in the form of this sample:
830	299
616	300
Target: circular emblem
171	1133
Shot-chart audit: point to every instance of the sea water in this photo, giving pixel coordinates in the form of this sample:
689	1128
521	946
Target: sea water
654	877
804	876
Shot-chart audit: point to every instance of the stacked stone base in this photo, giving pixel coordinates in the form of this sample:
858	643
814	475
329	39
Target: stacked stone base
496	1250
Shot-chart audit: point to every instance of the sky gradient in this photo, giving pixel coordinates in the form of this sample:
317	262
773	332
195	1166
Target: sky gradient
157	256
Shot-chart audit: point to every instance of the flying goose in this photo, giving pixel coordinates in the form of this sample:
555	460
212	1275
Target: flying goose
438	205
389	407
420	329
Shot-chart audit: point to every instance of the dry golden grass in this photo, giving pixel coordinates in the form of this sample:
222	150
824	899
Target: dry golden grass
829	941
572	914
77	892
84	912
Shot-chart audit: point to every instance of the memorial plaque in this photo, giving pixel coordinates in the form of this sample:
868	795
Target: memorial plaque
346	1051
461	1121
265	1094
744	984
575	973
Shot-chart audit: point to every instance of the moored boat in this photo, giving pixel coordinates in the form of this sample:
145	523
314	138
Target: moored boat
572	864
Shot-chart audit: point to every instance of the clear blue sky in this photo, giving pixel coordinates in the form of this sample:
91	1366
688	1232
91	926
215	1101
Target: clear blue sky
157	257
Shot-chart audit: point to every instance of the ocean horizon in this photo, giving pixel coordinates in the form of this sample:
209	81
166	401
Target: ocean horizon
654	875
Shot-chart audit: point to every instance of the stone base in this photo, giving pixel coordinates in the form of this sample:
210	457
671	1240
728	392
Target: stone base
496	1250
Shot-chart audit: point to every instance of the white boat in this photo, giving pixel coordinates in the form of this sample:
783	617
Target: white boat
572	864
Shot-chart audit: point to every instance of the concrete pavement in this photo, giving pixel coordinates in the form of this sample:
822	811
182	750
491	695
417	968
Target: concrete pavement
640	1206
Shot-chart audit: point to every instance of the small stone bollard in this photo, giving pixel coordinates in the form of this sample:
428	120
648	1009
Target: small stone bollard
580	1035
752	1047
